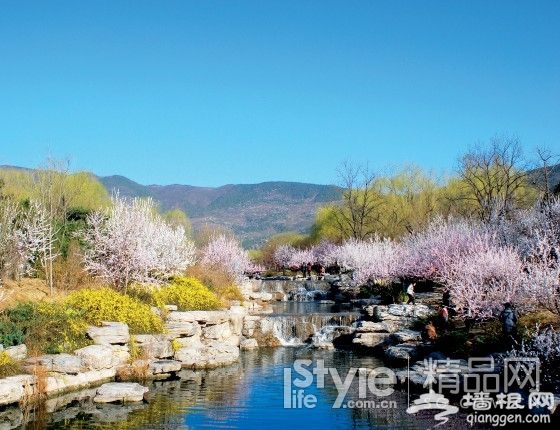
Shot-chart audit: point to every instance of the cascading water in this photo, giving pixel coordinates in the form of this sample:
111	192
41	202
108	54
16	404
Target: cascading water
307	323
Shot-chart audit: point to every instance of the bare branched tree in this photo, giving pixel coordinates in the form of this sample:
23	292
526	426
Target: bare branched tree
546	160
494	178
358	215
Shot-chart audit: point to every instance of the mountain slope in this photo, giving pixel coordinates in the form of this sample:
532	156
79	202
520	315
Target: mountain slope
252	211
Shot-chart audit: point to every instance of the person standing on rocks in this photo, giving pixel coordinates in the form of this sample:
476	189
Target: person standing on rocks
410	292
509	322
444	317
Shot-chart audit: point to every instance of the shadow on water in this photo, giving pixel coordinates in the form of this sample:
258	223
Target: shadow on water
246	395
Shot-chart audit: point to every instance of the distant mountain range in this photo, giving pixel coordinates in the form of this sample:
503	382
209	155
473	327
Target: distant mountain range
252	211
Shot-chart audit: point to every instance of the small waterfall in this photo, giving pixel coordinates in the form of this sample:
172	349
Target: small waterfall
295	330
302	294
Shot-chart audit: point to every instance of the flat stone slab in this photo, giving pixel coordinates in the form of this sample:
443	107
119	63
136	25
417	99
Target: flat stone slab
96	357
402	352
375	327
159	367
407	335
10	392
110	333
120	392
66	363
370	340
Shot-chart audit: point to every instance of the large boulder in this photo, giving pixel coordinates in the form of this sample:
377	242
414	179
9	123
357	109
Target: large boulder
17	353
403	353
178	328
96	357
376	327
66	363
10	392
209	355
110	333
120	392
406	335
370	340
249	324
159	367
154	346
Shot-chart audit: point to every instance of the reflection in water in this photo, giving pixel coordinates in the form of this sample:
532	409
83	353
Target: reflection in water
246	395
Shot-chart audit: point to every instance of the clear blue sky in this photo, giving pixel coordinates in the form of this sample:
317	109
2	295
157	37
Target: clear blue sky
209	93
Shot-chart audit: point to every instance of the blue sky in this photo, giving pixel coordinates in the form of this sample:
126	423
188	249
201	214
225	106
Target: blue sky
216	92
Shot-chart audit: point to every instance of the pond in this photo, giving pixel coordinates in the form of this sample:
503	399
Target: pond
247	395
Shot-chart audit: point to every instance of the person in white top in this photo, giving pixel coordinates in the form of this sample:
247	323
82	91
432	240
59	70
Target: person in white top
410	292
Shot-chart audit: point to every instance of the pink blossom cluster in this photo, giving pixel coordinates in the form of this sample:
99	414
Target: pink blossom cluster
226	253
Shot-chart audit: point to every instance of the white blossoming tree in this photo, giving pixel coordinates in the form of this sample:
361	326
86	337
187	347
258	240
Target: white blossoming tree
130	242
225	252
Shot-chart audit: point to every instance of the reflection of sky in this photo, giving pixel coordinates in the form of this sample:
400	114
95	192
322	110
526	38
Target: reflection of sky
258	401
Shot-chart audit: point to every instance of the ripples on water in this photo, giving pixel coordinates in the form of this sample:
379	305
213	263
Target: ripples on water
246	395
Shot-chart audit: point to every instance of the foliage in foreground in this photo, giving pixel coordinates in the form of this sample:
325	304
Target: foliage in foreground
105	304
187	293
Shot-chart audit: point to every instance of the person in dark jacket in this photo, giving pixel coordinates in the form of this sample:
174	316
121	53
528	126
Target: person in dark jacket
509	323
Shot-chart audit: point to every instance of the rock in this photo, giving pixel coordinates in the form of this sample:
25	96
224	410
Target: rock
121	354
375	327
17	353
202	317
96	357
406	335
170	308
189	342
120	392
221	332
238	310
326	345
10	392
176	316
249	325
110	333
402	353
266	297
396	312
210	355
370	340
154	346
66	363
248	344
164	366
178	328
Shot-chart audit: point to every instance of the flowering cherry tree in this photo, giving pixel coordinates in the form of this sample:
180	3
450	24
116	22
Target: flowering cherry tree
226	253
481	282
130	242
432	252
374	259
283	255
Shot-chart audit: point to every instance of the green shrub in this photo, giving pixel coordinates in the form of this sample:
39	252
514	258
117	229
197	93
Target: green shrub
43	327
105	304
10	334
187	294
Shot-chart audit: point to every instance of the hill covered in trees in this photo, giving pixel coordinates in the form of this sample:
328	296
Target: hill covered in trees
253	212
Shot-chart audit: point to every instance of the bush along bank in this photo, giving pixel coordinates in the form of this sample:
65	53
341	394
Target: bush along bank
191	339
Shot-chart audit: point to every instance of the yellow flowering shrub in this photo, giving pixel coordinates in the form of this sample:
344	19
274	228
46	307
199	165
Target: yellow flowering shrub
8	366
105	304
188	294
